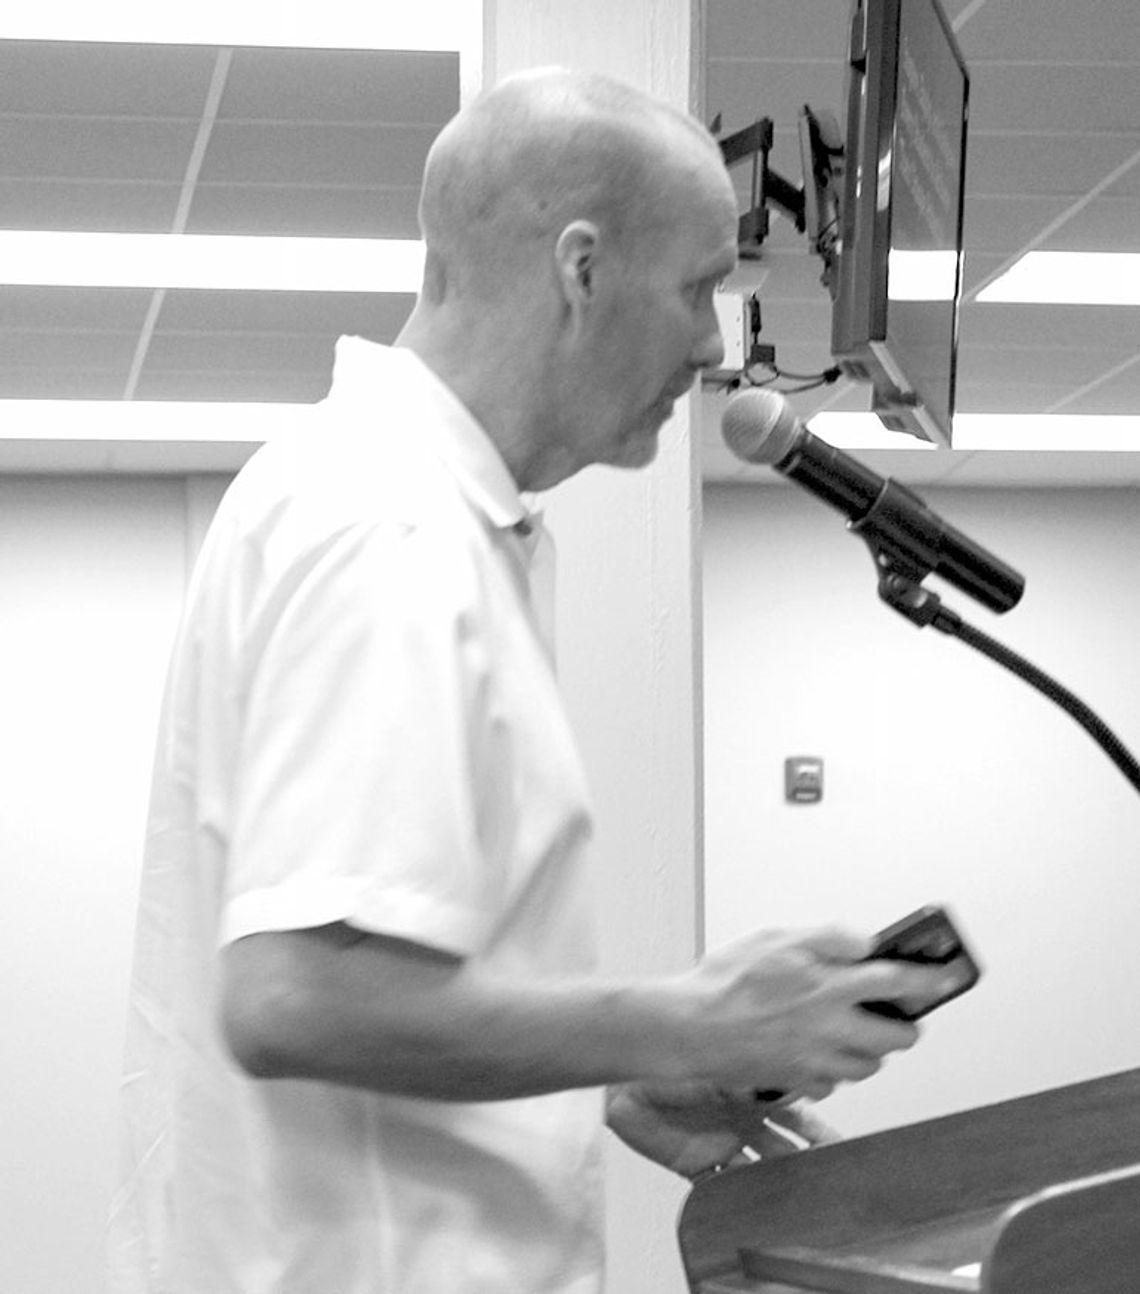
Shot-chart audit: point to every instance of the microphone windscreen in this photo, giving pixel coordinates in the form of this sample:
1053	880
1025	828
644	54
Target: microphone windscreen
760	426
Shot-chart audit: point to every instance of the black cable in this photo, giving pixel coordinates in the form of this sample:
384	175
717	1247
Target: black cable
1101	733
903	593
826	378
804	386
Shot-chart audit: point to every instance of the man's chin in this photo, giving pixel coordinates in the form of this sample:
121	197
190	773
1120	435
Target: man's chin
639	448
637	451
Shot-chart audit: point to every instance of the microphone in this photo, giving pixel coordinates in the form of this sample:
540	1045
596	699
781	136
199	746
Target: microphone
904	534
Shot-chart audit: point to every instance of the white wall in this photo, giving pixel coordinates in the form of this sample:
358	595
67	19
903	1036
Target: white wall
91	581
946	778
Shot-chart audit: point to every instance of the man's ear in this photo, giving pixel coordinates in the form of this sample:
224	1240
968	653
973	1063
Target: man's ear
575	255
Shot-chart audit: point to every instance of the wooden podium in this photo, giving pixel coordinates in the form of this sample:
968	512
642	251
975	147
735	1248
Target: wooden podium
1039	1195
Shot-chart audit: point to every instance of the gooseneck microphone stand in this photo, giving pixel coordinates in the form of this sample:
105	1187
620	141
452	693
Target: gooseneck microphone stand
902	590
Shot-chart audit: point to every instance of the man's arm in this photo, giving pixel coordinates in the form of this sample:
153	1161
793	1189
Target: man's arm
344	1006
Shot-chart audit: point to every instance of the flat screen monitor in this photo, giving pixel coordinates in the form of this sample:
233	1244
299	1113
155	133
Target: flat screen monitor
899	259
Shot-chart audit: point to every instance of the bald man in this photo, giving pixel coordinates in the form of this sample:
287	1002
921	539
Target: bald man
368	1050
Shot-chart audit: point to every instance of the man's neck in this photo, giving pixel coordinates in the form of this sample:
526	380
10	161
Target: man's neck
494	384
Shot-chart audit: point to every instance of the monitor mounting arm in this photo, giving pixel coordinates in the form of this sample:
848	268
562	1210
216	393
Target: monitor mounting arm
769	188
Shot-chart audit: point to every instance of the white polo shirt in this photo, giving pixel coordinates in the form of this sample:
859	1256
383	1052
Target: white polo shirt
362	725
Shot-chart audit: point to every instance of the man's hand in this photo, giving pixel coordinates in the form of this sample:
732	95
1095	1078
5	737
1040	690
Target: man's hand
694	1128
781	1011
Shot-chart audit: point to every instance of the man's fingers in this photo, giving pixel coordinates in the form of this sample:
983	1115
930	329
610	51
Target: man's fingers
833	944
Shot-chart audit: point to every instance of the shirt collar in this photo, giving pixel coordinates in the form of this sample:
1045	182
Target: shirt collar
458	439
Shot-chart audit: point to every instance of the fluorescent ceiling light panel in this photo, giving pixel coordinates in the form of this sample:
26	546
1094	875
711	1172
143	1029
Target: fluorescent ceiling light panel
50	258
1050	431
862	431
922	276
152	420
329	24
253	423
1070	278
993	431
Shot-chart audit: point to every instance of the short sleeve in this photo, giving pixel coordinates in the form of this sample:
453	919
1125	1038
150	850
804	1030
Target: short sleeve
354	797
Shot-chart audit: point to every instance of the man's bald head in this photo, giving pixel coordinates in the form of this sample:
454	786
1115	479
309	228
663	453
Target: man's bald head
576	230
541	150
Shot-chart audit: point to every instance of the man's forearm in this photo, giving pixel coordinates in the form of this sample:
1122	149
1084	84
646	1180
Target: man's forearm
340	1007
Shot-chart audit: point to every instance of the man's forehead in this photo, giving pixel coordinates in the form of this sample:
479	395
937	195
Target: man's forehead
720	223
713	199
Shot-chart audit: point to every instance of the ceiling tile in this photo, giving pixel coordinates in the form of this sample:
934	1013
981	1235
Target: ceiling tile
1103	225
280	153
1044	99
91	80
1128	185
69	348
112	309
281	352
801	323
744	91
102	148
1036	364
274	386
325	85
1042	469
1012	396
318	211
113	206
1104	31
776	30
1008	224
376	315
64	382
1121	391
1043	165
793	275
1101	329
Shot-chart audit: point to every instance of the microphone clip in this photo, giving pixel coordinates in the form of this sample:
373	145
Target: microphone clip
901	531
906	595
903	538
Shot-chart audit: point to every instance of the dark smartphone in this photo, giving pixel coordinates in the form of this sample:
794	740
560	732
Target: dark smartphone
927	936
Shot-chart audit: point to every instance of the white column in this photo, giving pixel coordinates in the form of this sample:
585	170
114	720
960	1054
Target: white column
628	625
